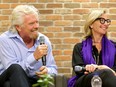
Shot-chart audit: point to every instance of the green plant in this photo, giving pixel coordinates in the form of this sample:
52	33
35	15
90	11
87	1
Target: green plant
44	81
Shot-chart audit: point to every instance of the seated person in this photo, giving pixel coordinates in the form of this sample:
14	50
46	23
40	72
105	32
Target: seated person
20	50
96	52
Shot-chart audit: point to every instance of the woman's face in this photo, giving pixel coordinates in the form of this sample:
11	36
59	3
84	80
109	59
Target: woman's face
100	25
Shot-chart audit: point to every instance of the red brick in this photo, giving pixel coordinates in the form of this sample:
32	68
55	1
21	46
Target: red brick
63	58
72	5
72	29
56	41
4	17
63	35
112	29
46	11
112	0
113	22
81	11
50	35
4	6
63	23
64	1
64	70
53	17
39	5
70	40
46	23
10	1
90	5
107	5
63	11
54	29
113	17
78	35
28	1
6	12
72	17
81	0
45	1
78	23
113	11
59	64
54	6
113	34
62	46
67	52
57	52
67	64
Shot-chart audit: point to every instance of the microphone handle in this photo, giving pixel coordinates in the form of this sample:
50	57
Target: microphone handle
44	60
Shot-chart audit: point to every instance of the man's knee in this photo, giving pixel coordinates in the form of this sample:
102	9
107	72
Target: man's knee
15	68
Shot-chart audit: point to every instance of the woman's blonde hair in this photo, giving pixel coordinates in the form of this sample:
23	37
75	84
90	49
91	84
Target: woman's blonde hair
92	16
17	17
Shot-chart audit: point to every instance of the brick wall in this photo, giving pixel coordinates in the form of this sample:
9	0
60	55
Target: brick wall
62	21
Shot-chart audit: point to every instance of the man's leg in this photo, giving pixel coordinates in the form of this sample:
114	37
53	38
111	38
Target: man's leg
16	76
7	84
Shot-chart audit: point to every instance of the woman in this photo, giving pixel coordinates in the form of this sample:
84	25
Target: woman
96	52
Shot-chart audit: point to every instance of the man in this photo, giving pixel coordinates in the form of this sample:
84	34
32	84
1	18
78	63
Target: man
20	50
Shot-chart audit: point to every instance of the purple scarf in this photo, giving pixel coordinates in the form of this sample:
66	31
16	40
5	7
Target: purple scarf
108	52
72	81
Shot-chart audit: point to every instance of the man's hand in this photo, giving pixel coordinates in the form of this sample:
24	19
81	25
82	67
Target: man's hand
43	70
40	51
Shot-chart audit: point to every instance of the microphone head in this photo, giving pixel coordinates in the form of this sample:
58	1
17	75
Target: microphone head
78	68
42	40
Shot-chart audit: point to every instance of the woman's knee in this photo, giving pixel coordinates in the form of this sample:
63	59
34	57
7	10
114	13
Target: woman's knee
107	72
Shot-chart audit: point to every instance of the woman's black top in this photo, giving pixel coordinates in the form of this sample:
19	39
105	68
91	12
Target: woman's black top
77	57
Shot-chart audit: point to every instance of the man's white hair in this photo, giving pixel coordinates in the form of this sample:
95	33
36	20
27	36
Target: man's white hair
17	17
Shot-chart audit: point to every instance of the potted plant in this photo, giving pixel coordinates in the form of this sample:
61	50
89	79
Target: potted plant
44	81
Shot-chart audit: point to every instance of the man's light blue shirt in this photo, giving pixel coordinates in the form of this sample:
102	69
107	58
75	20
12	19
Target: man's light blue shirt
14	51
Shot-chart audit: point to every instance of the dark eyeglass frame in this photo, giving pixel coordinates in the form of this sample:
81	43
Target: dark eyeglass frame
103	20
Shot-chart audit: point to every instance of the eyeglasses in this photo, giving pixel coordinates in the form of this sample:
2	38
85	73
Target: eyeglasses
103	20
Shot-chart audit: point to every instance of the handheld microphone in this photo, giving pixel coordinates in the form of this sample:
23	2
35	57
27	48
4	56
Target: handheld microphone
79	69
42	41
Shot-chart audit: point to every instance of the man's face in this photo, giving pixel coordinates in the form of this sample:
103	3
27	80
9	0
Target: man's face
29	29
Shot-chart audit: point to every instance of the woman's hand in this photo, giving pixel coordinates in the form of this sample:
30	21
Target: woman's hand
90	68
